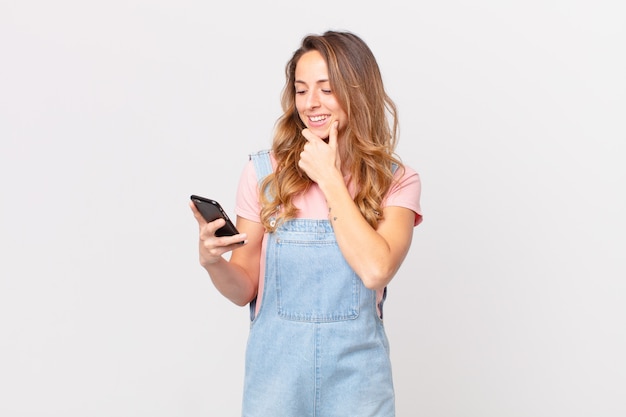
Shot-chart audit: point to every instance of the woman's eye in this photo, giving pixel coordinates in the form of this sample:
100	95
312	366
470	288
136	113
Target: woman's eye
300	91
326	91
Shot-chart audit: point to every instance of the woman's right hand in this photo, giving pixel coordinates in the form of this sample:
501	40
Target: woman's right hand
211	247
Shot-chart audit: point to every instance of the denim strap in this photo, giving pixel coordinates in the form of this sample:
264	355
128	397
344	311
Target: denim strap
262	164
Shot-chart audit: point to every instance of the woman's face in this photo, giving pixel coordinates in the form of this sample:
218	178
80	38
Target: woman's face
316	104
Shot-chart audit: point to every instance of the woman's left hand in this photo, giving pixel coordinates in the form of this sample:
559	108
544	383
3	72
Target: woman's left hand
320	160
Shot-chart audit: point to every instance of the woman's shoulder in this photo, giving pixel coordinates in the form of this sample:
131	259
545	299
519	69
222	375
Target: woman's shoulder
406	172
406	191
259	163
261	153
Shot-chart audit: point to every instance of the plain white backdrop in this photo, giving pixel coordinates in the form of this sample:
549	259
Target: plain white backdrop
512	300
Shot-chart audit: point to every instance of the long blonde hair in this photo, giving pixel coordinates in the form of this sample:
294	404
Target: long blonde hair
369	138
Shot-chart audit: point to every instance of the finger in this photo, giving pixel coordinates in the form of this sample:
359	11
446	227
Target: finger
218	246
310	136
213	226
332	136
238	241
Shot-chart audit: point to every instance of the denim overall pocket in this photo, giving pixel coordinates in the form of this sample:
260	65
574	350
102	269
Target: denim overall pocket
314	283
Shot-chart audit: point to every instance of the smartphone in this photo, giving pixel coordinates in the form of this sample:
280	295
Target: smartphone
212	210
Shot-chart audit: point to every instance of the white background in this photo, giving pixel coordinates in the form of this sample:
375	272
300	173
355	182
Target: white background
512	300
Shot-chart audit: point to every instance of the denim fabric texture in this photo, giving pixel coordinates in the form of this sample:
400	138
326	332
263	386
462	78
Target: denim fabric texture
317	347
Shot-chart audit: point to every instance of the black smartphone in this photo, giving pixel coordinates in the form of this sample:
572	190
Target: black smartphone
212	210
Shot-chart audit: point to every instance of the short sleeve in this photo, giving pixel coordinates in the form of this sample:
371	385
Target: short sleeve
406	192
247	203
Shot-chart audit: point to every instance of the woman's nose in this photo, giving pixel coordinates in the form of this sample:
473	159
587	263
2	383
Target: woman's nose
313	100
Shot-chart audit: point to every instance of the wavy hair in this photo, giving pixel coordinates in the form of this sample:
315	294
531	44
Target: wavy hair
369	139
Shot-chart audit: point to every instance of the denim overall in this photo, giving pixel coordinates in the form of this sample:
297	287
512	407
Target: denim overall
317	347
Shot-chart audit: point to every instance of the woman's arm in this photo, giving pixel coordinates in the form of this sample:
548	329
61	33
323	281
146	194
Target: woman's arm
375	255
238	278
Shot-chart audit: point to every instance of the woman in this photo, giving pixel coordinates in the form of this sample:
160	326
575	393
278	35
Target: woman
327	216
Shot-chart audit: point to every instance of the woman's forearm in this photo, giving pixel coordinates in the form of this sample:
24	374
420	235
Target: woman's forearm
232	281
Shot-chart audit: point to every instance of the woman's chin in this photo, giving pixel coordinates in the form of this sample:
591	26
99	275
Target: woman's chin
321	132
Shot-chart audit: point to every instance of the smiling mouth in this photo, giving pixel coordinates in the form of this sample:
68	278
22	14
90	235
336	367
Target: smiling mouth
317	119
